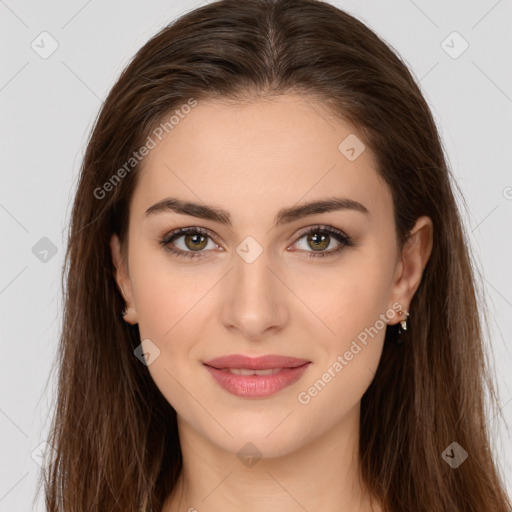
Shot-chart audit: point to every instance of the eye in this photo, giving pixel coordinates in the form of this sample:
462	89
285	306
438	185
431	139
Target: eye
320	238
194	241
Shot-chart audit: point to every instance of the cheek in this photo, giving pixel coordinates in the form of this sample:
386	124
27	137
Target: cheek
348	300
348	358
169	313
173	304
166	294
354	310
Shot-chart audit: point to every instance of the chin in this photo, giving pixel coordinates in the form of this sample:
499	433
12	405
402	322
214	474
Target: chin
267	434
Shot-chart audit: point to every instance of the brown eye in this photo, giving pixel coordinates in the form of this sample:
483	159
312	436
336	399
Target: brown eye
195	242
188	242
319	238
318	242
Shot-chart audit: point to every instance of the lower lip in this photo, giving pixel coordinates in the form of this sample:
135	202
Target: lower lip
257	386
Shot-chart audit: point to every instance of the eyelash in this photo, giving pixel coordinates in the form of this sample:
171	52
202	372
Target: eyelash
344	240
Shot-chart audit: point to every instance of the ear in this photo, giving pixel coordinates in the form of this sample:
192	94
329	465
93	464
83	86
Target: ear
411	263
122	279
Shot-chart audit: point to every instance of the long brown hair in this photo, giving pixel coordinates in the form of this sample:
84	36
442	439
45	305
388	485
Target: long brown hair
114	434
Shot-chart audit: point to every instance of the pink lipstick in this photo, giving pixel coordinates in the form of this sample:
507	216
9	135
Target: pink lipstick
256	377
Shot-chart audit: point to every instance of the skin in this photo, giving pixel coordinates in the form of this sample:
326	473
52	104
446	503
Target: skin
253	160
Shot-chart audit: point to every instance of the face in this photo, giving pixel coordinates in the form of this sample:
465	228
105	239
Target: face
256	274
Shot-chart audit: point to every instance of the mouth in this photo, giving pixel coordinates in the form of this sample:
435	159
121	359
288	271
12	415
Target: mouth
256	377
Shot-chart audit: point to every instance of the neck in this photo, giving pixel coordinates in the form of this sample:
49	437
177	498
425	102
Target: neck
321	476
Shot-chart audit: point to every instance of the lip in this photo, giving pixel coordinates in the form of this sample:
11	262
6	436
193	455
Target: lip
256	386
255	363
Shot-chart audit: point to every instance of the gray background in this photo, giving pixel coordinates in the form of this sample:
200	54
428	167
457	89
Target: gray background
48	106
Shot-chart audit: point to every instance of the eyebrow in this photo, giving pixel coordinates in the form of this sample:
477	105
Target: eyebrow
284	216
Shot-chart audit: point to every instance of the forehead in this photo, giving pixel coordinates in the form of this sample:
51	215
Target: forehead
252	156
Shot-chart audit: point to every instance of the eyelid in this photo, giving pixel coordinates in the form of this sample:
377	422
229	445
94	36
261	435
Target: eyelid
178	232
321	227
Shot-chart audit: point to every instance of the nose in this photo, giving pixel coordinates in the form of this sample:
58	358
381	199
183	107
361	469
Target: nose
254	303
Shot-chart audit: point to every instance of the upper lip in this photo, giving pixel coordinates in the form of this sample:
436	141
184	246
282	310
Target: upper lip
255	363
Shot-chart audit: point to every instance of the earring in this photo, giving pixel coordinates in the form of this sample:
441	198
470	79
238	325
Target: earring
124	311
403	323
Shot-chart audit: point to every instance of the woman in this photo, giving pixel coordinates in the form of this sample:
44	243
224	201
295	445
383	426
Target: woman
270	302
